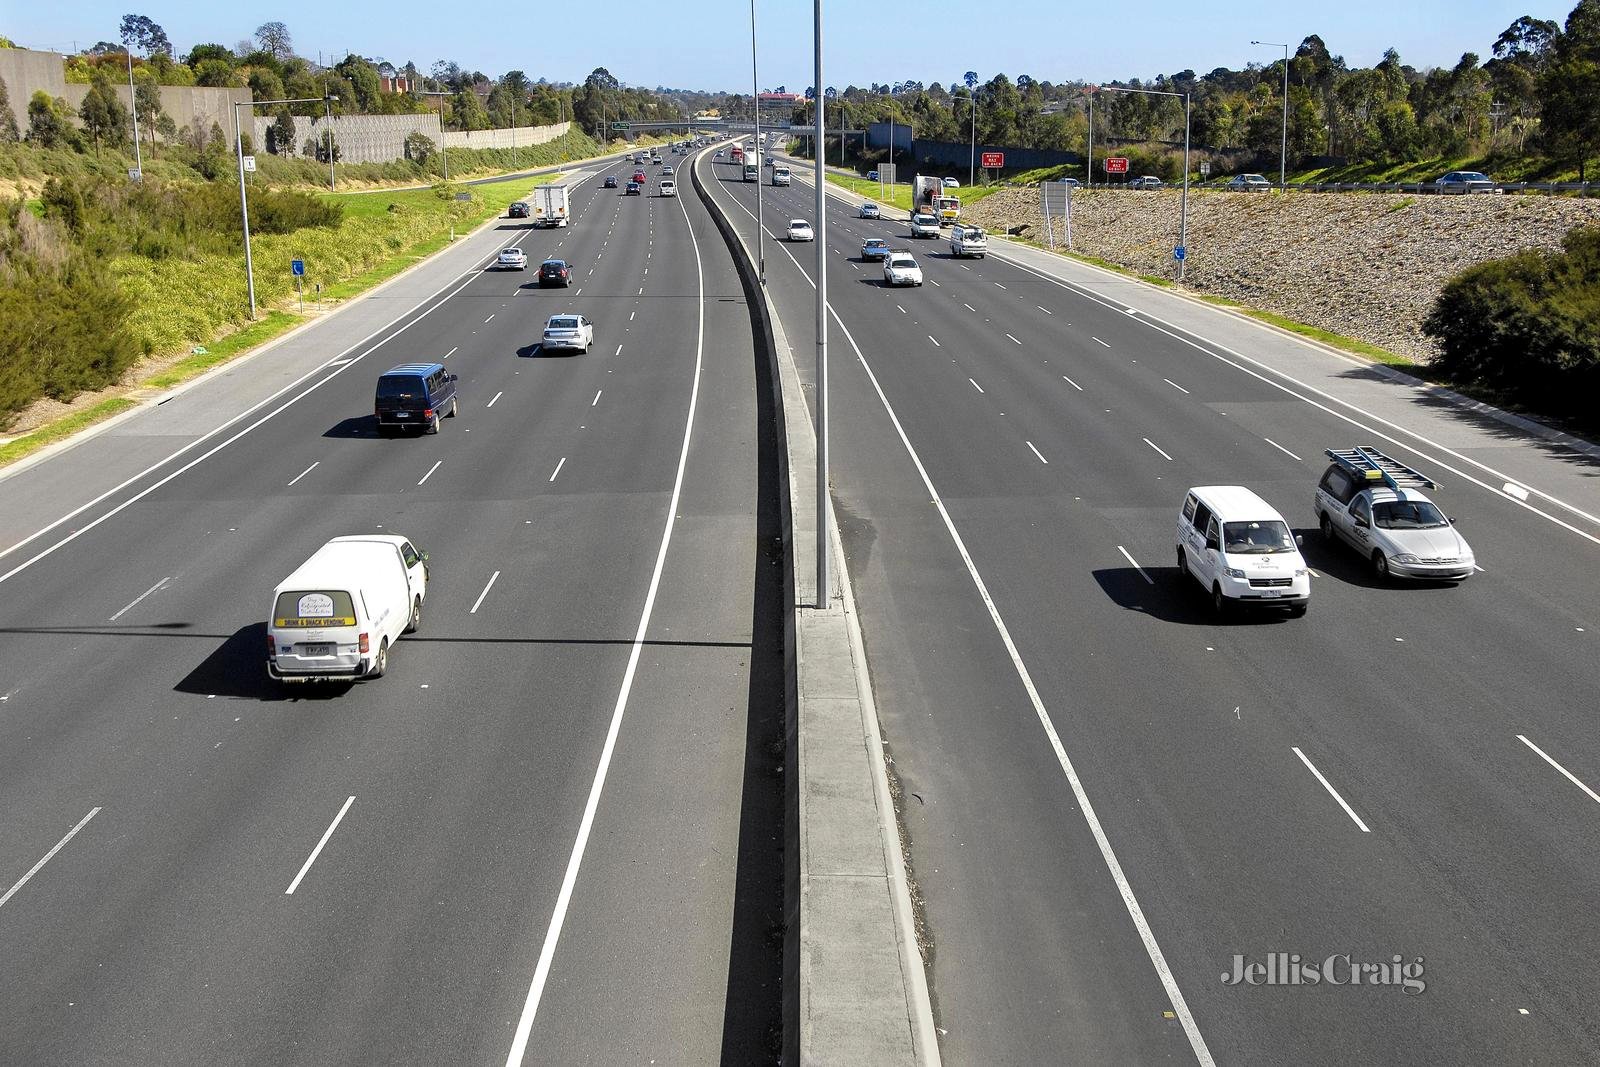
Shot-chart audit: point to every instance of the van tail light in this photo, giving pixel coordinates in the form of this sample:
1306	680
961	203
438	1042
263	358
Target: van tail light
427	414
366	643
272	647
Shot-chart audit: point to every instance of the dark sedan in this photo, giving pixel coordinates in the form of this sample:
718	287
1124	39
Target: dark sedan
555	272
611	181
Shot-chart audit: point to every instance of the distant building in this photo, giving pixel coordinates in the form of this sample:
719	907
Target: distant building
397	84
779	98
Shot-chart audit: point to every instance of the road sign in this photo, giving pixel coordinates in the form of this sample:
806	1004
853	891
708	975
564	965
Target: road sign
1205	168
463	197
297	267
989	160
619	126
249	164
1180	253
134	174
1117	165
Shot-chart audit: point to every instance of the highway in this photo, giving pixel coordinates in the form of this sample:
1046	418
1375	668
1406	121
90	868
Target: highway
548	834
1109	794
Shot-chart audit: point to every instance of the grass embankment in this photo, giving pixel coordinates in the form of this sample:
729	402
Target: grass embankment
1506	168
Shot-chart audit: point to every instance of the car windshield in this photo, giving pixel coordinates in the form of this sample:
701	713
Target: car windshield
399	386
563	322
1407	515
1257	537
512	252
902	261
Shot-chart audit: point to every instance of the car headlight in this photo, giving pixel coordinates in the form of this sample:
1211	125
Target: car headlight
1405	557
1301	572
1233	572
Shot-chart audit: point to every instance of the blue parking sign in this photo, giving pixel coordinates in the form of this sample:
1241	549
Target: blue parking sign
297	267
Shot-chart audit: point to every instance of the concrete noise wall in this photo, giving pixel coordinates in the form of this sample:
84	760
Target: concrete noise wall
521	136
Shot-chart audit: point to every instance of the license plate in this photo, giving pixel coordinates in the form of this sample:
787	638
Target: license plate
402	414
1271	593
315	649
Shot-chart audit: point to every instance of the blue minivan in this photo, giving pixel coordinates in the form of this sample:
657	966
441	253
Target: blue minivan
414	395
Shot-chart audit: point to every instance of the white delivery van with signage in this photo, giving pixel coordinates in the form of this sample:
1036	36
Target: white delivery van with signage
338	614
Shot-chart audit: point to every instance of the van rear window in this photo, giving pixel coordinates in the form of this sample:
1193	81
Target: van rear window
314	607
399	386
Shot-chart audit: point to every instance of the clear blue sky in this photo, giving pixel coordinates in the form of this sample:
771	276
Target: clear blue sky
705	44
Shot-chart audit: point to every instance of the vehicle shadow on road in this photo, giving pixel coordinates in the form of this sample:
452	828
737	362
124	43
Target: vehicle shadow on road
1170	596
237	669
356	426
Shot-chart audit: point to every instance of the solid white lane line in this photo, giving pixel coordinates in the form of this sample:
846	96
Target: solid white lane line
965	267
305	472
618	351
976	386
936	344
1036	452
901	309
142	595
491	315
596	399
999	285
1176	386
1136	566
1542	755
541	973
48	856
1157	447
1013	338
476	603
1044	309
968	306
935	283
1332	791
631	314
431	469
1098	341
1280	448
1072	383
450	353
557	471
334	825
496	397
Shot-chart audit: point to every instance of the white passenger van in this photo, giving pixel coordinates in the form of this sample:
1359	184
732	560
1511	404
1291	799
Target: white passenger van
337	614
1241	551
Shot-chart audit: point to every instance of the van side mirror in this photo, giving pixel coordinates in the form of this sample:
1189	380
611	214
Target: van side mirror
453	377
1299	540
424	557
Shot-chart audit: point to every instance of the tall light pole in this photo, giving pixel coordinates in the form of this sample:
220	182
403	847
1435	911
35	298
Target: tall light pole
1283	154
133	107
1088	170
327	109
244	204
972	98
1183	208
755	99
824	597
444	149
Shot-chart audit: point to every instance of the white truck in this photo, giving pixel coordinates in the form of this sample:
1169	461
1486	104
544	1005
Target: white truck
550	207
780	174
968	241
928	195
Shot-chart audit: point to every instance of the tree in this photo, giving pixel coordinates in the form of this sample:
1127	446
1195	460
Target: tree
48	125
215	73
420	148
102	114
274	37
280	135
202	52
9	134
1567	85
147	105
142	32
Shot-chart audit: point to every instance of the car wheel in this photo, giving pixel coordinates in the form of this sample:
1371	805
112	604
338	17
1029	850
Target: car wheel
1183	564
433	425
1327	527
416	616
1219	603
1380	566
381	663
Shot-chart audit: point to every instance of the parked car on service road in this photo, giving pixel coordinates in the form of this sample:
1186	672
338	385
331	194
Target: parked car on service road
1147	181
567	332
1249	183
951	183
1465	181
414	396
335	617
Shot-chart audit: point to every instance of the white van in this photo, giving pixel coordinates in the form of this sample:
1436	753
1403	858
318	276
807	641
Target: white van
1241	551
337	614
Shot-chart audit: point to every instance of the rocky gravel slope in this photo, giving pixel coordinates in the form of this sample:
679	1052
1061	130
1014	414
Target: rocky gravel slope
1365	265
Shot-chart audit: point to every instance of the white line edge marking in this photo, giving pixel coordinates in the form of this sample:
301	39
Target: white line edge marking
541	972
1348	810
1096	339
935	341
450	353
132	603
1542	755
557	471
618	352
497	396
479	602
1158	959
1280	448
1176	386
1072	383
998	284
1044	309
596	399
1013	338
436	465
305	472
975	385
326	834
48	856
1136	566
1177	333
968	306
1157	447
1036	452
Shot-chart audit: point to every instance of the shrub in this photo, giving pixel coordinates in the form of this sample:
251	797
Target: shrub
1527	327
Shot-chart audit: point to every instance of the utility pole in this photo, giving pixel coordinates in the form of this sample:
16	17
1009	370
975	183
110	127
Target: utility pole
824	597
1283	155
755	99
133	108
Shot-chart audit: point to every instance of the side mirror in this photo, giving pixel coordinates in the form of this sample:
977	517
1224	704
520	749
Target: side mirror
424	557
454	378
1450	520
1299	540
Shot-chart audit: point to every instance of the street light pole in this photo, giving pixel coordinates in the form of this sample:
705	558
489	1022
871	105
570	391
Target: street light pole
133	107
1088	175
755	99
1283	154
824	597
444	149
244	203
972	160
1183	209
327	106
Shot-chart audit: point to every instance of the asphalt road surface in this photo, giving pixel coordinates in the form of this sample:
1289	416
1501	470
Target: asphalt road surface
550	833
1407	772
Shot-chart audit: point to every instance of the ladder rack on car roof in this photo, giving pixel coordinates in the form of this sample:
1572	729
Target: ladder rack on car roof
1370	465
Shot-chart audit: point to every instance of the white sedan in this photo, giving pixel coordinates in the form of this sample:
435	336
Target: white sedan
800	230
568	333
901	268
511	259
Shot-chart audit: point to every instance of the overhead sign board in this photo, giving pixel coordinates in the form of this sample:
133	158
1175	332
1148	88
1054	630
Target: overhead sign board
619	125
990	160
1117	165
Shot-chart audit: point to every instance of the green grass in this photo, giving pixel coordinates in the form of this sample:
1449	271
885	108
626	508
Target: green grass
62	427
900	194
